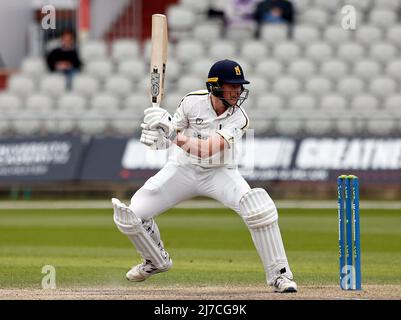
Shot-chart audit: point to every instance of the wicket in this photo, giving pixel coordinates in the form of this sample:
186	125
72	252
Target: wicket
348	226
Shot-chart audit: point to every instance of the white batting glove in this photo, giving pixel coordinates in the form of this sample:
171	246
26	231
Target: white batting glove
148	137
156	117
154	138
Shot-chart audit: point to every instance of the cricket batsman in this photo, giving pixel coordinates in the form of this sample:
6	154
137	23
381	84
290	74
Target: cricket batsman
201	137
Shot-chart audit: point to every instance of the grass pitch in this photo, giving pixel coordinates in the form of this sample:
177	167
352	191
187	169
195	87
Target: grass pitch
209	247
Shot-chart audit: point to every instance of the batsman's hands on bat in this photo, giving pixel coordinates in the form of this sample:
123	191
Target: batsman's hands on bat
148	137
158	118
154	138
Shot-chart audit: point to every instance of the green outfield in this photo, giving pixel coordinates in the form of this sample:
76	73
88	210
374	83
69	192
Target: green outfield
208	247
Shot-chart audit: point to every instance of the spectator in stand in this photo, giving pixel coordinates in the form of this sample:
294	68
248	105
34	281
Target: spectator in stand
65	59
240	14
275	11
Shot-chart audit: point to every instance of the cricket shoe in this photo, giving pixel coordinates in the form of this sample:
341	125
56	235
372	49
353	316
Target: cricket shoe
283	284
144	270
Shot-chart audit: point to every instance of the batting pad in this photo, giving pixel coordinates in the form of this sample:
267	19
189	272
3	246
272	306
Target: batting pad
131	226
260	215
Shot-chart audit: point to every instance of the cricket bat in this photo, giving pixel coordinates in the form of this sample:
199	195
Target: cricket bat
158	58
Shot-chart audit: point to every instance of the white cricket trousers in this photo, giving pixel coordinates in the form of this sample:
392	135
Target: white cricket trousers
175	183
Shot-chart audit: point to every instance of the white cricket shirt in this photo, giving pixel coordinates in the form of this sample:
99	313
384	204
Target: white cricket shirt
196	117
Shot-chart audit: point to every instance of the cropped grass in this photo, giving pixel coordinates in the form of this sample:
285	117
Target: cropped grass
209	247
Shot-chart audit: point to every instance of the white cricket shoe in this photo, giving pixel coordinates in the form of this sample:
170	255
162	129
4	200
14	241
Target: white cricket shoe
144	270
283	284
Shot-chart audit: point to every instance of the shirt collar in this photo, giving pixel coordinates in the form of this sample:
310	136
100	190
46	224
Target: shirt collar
228	112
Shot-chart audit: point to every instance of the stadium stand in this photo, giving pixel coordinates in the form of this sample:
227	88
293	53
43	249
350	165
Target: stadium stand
337	74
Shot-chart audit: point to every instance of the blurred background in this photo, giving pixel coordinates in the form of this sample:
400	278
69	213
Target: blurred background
325	92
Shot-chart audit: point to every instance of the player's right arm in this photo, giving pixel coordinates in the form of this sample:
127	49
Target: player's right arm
202	148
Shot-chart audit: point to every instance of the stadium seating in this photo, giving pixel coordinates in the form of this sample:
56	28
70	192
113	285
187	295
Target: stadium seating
299	85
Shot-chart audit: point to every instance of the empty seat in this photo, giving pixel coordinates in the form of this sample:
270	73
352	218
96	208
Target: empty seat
188	83
189	51
393	69
360	5
318	86
304	35
286	52
318	123
172	100
335	35
367	69
393	102
368	35
334	69
302	69
350	86
258	85
93	50
61	122
27	123
195	5
123	49
328	6
271	104
239	33
200	68
100	69
180	21
381	125
85	85
9	103
383	87
40	103
383	52
364	103
173	70
269	68
319	52
286	86
33	67
315	17
118	86
333	104
133	69
394	35
137	103
105	104
72	103
253	50
387	4
21	85
207	32
223	49
302	103
288	124
125	124
302	5
351	52
348	124
53	84
382	18
273	34
92	123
